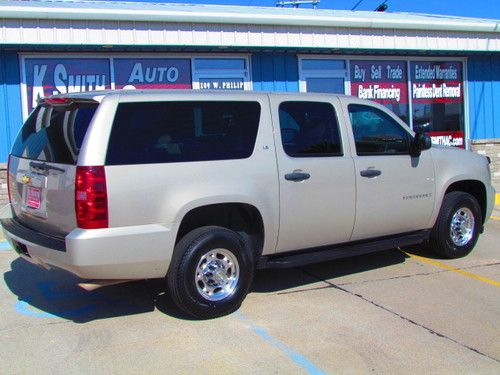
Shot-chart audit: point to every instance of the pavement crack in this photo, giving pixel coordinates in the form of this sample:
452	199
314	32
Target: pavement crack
304	290
481	265
430	330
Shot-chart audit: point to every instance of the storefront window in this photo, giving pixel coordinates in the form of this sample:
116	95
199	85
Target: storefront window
384	82
438	101
45	75
323	75
220	74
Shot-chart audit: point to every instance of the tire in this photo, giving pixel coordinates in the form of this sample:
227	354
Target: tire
210	273
458	225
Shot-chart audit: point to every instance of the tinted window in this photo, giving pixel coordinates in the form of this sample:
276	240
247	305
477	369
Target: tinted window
309	129
54	134
376	133
163	132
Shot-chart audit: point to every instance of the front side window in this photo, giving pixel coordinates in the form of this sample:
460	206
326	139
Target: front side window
167	132
309	129
376	133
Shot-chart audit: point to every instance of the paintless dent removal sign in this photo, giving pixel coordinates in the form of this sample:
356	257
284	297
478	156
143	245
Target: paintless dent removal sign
152	73
46	77
436	82
381	81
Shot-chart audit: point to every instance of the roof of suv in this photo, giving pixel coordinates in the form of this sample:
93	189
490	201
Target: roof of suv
99	95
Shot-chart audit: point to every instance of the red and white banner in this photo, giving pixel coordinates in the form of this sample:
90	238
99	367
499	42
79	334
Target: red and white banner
437	82
384	82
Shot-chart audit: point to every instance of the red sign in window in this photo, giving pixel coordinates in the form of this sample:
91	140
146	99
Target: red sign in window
384	82
451	138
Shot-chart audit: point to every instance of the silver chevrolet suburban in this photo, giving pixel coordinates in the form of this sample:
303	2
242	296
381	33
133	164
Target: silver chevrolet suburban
203	188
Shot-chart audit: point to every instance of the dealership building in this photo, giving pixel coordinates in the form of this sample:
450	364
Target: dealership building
439	74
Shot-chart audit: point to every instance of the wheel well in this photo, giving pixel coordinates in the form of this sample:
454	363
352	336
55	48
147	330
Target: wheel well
239	217
474	188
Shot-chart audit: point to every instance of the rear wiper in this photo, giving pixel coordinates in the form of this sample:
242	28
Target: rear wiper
45	167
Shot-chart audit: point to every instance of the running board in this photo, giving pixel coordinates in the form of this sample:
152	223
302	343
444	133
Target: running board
326	253
92	285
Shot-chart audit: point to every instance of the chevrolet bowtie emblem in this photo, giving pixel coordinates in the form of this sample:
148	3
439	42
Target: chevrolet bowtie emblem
26	179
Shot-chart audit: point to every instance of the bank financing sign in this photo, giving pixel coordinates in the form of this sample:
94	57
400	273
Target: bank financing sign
50	76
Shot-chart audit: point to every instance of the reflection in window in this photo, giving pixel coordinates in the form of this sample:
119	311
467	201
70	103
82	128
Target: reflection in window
376	133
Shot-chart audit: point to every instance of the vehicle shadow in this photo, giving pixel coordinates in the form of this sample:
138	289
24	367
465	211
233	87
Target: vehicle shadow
55	293
46	294
279	280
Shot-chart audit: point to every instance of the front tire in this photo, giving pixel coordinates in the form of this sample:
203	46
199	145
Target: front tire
458	225
211	272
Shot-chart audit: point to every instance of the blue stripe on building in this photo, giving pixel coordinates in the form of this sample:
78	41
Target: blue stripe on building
10	102
275	72
484	91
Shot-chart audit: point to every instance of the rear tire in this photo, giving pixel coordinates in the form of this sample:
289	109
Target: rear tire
458	225
211	272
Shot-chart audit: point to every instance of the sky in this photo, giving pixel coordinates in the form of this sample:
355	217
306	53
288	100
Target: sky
464	8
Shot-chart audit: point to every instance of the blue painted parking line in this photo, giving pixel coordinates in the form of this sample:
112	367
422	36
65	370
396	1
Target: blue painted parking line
298	358
4	245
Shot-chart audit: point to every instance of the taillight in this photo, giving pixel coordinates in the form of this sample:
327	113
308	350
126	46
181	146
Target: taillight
91	198
57	101
8	180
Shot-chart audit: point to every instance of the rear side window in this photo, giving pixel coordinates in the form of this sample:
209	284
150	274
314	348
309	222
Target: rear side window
167	132
54	134
309	129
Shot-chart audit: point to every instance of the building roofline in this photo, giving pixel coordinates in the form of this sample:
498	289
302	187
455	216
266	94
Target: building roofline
214	14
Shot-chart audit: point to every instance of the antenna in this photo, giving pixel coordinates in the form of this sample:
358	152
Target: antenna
382	7
296	3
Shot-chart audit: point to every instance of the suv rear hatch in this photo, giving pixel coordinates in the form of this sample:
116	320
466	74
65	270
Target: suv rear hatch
42	165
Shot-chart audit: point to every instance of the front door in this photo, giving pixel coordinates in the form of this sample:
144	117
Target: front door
395	191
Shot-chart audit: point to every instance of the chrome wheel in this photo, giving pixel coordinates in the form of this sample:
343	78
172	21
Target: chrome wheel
462	226
217	274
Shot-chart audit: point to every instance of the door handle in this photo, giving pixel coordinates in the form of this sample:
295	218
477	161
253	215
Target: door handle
370	173
297	176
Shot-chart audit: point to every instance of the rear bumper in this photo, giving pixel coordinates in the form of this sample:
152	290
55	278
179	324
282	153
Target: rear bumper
137	252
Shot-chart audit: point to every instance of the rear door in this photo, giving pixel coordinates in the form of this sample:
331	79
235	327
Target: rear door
316	175
43	165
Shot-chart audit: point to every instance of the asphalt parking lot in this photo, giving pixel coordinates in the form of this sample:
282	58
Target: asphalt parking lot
385	313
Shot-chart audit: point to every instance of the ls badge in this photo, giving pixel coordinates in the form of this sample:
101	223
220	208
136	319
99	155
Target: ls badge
26	179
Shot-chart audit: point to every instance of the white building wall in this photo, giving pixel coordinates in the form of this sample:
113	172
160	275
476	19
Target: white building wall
133	33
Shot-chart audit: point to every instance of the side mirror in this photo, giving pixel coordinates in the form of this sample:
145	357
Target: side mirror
420	143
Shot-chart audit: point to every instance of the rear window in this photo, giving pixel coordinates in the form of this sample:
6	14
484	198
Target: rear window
166	132
54	134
